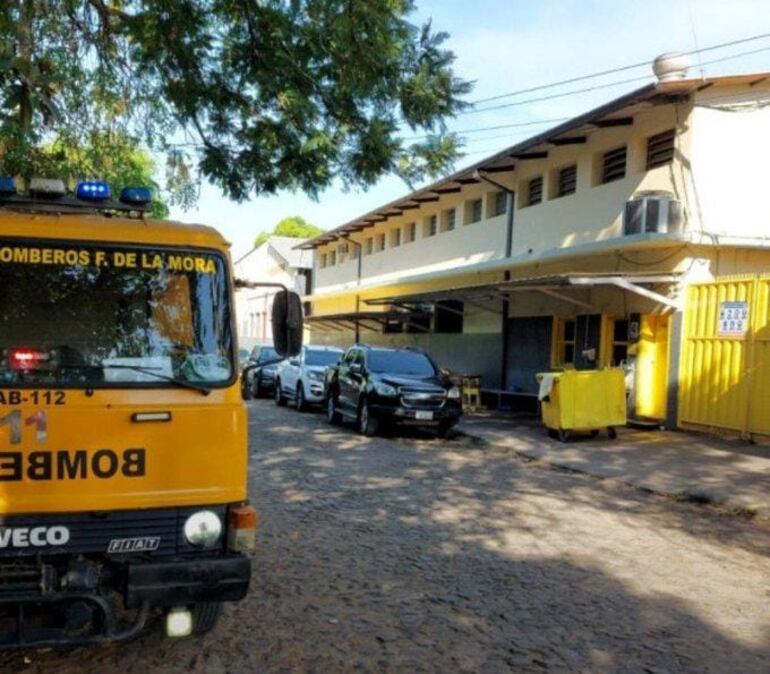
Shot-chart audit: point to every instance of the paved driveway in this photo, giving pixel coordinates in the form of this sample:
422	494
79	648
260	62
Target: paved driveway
406	555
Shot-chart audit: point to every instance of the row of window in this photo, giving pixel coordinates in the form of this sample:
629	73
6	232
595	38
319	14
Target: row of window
612	165
432	225
608	338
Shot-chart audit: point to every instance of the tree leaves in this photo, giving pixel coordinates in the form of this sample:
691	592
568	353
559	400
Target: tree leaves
294	226
261	95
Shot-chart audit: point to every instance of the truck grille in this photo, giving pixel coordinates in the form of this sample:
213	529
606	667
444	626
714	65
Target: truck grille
421	399
92	532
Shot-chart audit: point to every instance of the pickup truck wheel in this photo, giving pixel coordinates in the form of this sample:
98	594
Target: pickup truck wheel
446	429
368	424
205	616
332	415
256	388
280	399
299	399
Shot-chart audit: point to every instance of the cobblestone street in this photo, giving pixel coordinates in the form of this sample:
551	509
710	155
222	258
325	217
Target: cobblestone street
417	554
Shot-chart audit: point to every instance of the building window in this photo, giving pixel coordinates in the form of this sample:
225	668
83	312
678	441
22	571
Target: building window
563	352
354	250
619	342
332	258
342	251
660	149
472	211
448	220
614	165
411	232
380	242
535	191
567	181
322	260
395	238
500	203
430	227
369	245
448	316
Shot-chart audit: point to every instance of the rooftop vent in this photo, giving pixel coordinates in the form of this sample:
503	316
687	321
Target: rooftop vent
671	66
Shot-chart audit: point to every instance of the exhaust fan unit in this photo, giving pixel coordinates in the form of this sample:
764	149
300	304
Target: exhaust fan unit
652	212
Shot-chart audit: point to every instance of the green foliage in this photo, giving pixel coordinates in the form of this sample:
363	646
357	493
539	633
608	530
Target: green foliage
294	226
259	95
113	157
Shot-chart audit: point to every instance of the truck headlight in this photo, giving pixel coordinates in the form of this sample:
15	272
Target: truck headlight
454	393
385	390
315	375
203	529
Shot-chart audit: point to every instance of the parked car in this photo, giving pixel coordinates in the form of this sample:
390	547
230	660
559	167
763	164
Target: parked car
379	387
301	379
258	376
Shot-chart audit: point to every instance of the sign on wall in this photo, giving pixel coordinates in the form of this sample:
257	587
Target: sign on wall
733	319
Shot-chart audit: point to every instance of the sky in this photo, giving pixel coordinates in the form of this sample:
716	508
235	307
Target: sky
508	45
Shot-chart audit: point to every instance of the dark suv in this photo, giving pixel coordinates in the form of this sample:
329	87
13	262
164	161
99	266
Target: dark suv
376	387
258	375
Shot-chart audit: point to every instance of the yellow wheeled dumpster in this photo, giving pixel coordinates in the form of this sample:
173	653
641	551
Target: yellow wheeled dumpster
582	401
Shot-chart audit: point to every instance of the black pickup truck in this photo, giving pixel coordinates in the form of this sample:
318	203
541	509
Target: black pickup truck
378	387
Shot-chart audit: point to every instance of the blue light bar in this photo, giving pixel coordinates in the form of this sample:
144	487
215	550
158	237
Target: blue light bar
93	190
7	185
136	196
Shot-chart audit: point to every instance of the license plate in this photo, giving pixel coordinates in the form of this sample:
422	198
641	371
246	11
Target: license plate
423	416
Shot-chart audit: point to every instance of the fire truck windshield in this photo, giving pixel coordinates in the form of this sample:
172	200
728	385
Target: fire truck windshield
100	315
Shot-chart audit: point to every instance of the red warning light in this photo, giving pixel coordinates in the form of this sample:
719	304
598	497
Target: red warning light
21	358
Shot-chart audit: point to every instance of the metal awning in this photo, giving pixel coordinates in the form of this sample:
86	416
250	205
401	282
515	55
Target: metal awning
372	320
556	286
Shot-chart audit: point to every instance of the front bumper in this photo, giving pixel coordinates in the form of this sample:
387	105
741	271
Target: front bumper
314	391
43	611
415	416
170	583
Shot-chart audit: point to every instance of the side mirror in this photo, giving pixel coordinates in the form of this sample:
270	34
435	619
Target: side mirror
356	368
287	323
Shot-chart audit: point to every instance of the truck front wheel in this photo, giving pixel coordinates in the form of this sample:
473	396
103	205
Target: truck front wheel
205	616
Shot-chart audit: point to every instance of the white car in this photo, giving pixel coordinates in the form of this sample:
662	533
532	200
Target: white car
301	379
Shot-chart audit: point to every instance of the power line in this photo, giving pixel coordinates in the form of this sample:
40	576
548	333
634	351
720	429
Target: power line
607	85
572	92
611	71
495	128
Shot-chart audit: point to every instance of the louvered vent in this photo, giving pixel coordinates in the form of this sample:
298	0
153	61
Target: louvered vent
567	181
614	165
535	191
660	149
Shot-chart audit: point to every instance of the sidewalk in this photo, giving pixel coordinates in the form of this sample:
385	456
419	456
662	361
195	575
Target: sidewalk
732	473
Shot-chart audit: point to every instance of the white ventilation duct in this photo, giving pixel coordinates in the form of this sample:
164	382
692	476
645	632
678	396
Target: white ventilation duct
671	66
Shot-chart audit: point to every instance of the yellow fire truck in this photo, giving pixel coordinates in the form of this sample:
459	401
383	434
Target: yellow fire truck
123	449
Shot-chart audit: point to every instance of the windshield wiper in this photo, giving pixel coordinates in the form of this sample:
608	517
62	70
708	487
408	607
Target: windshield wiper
183	383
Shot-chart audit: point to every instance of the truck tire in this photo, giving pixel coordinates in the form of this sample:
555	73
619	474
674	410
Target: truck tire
280	399
446	429
332	414
205	616
299	399
368	424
